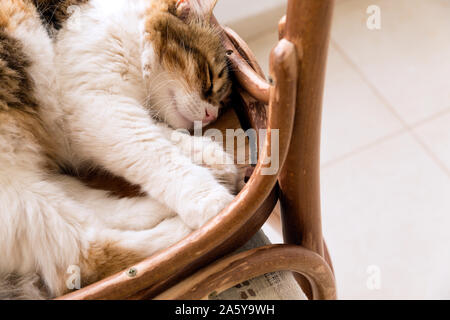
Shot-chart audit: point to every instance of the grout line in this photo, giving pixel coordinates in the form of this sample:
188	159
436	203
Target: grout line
430	118
388	105
358	150
385	138
430	152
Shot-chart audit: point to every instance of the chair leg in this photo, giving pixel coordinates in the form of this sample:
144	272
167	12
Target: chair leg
307	26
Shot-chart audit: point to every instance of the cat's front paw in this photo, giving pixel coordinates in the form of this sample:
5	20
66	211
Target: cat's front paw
207	207
221	164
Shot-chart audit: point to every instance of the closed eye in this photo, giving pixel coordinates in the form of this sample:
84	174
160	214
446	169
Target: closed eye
210	89
222	72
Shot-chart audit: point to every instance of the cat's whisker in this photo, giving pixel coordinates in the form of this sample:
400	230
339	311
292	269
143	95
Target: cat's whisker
162	84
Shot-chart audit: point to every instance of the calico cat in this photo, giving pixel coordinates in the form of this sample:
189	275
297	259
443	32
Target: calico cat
108	91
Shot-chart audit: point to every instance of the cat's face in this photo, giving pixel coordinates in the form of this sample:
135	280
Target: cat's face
186	71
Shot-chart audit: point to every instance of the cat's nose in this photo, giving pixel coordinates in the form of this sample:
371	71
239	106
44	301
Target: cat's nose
210	116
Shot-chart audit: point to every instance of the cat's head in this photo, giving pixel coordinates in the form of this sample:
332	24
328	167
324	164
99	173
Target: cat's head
185	63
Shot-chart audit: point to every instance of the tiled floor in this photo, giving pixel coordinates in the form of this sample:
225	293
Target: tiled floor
386	148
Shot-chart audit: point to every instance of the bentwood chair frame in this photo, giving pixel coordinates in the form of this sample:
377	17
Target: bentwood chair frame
203	262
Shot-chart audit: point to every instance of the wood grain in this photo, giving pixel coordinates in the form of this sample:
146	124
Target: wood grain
238	268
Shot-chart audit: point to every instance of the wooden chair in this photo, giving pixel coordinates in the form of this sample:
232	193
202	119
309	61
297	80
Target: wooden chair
203	262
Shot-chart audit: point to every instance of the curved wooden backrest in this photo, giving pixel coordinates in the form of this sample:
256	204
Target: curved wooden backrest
297	70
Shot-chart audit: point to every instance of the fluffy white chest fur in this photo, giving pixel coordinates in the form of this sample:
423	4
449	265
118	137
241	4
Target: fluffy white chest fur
110	88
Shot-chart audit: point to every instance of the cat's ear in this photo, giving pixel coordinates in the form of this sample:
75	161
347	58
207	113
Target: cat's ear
188	10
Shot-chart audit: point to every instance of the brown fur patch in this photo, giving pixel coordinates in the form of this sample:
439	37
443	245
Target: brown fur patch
17	103
16	87
193	49
101	179
18	106
106	259
55	12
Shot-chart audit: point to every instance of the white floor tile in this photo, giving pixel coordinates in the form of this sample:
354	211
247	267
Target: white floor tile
352	115
389	207
407	60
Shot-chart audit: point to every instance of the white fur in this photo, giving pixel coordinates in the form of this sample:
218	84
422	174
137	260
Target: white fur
93	89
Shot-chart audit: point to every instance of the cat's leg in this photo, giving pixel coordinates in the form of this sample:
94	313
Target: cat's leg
208	153
110	250
137	213
117	133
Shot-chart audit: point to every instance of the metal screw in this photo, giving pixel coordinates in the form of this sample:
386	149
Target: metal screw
213	296
132	272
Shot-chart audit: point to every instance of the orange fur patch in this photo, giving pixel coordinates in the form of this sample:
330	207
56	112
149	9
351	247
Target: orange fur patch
15	12
106	259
